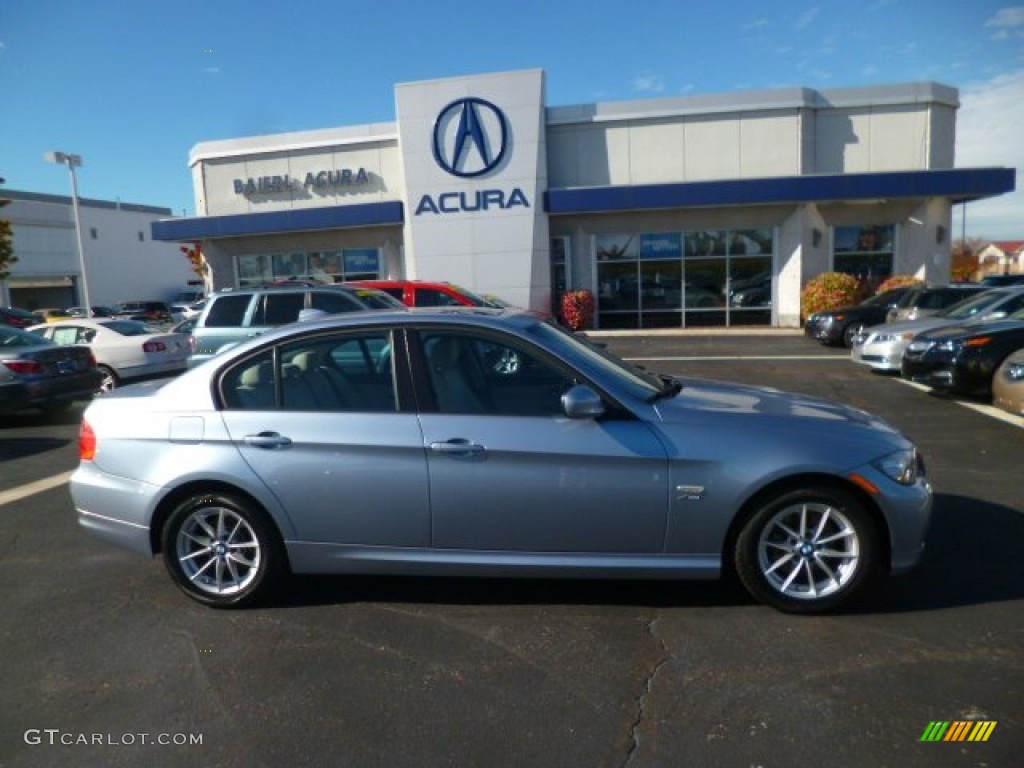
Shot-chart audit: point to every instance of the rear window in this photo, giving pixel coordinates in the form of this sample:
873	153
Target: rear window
279	308
334	302
227	311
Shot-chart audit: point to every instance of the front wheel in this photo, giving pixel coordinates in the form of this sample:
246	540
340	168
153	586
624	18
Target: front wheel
109	380
851	332
808	550
221	551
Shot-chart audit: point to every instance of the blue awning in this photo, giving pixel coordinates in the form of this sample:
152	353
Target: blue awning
958	184
274	222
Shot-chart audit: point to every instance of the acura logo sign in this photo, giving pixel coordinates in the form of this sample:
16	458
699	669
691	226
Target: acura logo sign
470	137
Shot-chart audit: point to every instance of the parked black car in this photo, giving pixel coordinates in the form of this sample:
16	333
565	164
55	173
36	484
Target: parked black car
999	280
148	311
19	318
963	358
36	373
925	301
839	326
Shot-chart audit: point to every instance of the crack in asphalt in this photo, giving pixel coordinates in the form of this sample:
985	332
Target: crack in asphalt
645	691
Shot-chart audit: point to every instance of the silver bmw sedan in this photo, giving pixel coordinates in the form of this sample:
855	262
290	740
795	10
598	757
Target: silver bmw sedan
479	442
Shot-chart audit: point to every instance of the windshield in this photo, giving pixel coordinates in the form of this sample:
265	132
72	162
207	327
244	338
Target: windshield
880	298
375	299
479	301
972	306
640	383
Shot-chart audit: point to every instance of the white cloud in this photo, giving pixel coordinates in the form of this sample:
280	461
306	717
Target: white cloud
805	20
649	83
989	134
1007	17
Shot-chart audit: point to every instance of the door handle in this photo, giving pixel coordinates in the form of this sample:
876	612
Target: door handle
267	440
458	447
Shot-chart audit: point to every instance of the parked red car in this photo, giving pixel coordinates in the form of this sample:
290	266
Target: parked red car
19	318
421	293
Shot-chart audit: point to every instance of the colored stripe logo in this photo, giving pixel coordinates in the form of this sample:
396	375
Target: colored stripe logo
958	730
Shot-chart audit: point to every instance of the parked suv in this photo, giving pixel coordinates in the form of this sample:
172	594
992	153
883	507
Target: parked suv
420	293
925	302
234	315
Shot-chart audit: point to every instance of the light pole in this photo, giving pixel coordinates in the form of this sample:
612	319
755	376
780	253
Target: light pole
72	162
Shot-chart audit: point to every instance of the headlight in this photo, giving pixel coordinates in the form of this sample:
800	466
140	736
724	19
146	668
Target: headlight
1015	371
905	467
951	345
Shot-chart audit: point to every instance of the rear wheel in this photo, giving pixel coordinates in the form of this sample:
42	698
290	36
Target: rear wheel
807	550
109	380
221	551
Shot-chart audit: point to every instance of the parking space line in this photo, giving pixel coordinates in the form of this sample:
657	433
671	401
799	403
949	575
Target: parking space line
987	410
707	358
30	489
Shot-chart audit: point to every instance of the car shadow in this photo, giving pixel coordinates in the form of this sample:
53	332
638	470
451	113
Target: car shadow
971	558
20	447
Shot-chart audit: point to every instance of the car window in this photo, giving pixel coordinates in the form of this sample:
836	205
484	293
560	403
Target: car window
478	374
227	311
249	386
972	306
344	372
1012	305
128	327
431	297
278	308
334	302
66	335
13	337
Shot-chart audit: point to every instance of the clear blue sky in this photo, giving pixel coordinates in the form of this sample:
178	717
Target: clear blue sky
133	85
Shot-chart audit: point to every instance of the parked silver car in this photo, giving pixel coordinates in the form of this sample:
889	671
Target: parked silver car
882	346
490	443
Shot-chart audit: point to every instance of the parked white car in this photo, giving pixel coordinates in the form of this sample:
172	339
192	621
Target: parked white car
125	350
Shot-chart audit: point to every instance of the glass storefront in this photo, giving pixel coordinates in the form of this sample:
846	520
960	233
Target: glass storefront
864	252
559	272
676	279
319	266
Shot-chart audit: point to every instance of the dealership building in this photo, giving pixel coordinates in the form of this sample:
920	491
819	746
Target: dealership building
709	210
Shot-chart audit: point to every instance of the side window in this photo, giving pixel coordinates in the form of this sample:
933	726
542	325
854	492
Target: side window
478	374
279	308
249	386
429	297
66	335
1012	305
350	372
334	302
228	311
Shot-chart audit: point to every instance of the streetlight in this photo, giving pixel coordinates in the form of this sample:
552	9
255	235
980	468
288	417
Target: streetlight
72	162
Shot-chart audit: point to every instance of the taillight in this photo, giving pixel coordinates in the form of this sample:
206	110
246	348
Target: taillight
24	366
153	346
92	360
86	442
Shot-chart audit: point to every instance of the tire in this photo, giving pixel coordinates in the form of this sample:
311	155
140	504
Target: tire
808	550
222	552
851	331
109	380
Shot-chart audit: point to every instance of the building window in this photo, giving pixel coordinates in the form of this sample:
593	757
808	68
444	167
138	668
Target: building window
865	252
316	266
560	277
673	279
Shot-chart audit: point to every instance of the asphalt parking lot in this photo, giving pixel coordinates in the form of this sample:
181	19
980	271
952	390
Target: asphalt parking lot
104	658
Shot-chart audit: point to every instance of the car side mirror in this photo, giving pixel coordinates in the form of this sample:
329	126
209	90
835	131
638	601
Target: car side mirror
581	402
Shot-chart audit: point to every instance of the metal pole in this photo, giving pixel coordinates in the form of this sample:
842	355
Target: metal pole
78	234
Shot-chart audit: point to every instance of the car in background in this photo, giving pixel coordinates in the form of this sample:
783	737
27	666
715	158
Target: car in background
882	346
36	373
189	297
1001	280
400	442
1008	384
840	326
148	311
423	293
181	312
963	358
53	315
125	350
19	318
232	316
97	311
924	301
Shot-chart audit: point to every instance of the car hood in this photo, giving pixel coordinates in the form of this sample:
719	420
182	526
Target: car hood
704	396
974	329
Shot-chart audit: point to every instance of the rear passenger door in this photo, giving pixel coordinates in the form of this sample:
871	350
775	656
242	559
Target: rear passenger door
327	423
